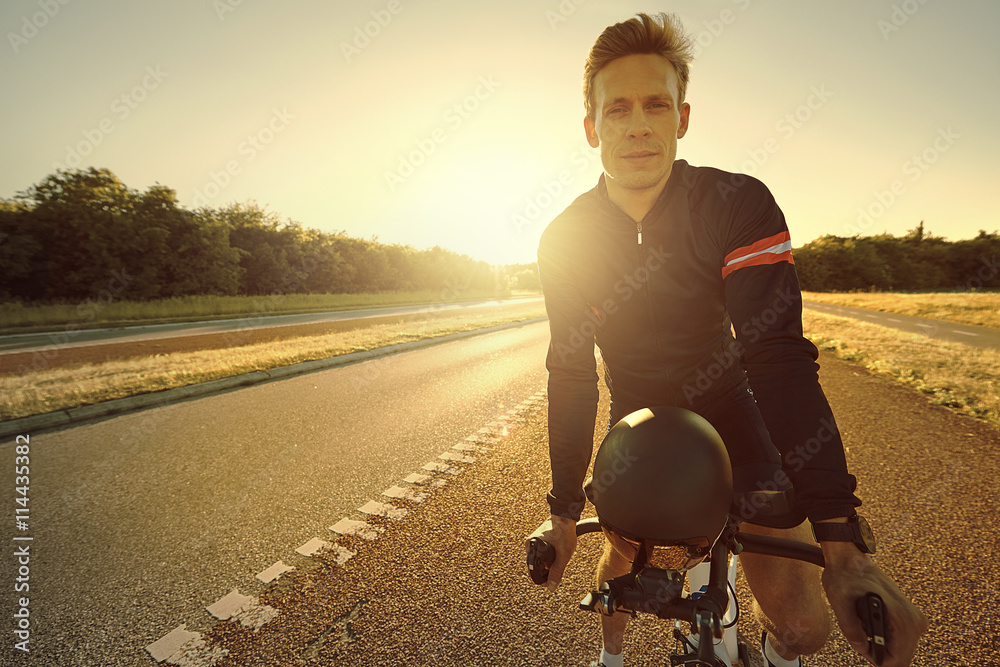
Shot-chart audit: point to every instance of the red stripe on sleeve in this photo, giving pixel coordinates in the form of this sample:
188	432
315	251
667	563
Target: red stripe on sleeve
757	246
759	260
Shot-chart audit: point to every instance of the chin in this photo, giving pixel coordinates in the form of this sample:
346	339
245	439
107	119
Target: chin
640	180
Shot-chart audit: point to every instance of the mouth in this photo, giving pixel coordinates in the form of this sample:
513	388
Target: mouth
640	155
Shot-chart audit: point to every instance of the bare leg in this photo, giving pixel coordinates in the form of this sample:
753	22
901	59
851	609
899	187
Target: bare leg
790	603
611	565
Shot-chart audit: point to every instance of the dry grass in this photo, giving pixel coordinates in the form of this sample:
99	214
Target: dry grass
961	377
63	388
16	317
979	308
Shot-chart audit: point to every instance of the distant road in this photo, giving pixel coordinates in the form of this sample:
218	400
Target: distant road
78	338
968	334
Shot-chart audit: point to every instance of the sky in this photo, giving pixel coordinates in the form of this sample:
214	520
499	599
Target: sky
459	124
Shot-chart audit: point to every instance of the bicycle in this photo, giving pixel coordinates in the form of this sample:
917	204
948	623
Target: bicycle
711	613
646	589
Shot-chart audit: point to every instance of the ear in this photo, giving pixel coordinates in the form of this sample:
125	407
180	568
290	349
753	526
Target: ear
591	130
685	113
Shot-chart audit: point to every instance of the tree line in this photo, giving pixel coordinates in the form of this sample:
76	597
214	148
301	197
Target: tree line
77	232
66	238
917	261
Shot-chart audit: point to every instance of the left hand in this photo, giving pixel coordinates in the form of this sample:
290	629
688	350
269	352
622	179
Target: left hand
849	575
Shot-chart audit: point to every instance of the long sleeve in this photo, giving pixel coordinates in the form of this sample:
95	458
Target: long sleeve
572	387
765	304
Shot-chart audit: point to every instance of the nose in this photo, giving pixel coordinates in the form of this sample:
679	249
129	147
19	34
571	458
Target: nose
638	125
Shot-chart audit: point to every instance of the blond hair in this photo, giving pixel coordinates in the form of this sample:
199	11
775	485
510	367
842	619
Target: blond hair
662	34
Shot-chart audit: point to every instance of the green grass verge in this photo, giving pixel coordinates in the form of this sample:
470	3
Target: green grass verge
963	378
18	318
978	308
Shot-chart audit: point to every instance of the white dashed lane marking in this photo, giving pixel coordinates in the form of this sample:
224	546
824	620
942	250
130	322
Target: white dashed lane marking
188	649
360	528
400	493
170	643
273	572
185	649
311	547
460	458
243	609
964	333
436	466
381	509
463	447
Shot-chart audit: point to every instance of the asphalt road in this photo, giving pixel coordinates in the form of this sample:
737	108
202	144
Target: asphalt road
967	334
81	337
447	585
142	521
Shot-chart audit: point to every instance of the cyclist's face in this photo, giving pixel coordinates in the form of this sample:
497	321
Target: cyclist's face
637	120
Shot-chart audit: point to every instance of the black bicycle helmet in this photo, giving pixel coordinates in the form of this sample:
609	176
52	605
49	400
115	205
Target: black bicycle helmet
662	476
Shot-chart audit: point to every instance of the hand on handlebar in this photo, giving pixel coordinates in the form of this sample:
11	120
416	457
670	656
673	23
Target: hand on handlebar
560	533
848	579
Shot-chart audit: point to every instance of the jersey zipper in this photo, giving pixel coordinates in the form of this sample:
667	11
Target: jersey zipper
644	289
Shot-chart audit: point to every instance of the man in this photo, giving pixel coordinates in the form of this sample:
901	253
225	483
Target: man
660	263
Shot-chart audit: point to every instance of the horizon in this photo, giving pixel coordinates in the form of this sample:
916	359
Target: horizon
351	119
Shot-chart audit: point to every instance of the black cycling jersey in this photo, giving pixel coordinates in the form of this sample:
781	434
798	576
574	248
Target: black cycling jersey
663	299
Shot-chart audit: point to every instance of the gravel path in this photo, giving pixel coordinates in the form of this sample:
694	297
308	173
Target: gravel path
447	584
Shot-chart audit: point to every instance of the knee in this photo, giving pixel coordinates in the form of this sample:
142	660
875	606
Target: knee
805	634
611	564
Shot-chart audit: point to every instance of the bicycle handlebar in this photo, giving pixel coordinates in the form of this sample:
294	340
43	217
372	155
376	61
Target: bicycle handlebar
628	593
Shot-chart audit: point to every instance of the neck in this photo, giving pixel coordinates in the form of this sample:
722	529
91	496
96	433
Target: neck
635	203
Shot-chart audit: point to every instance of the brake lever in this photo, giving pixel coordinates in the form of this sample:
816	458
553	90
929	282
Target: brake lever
875	621
541	555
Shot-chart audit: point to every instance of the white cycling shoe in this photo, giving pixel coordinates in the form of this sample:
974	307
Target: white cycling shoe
763	651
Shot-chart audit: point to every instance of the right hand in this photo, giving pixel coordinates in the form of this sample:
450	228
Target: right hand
560	532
